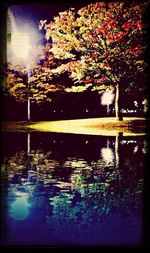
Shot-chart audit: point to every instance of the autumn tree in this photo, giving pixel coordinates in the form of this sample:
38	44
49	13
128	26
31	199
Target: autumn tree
35	81
102	46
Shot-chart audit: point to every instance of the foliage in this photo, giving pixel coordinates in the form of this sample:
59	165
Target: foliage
3	169
34	81
101	43
89	191
69	194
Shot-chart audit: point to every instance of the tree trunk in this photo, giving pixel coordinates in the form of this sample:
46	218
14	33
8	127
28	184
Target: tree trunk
117	148
107	109
117	104
28	111
28	143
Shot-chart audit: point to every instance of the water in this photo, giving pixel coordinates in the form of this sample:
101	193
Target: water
64	189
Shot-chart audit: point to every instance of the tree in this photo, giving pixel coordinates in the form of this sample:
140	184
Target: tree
102	46
86	190
35	82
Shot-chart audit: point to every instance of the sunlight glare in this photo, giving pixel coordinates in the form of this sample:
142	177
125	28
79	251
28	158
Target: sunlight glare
107	97
107	155
19	209
20	44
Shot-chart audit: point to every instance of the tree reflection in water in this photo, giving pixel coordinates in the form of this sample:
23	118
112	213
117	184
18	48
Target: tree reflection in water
76	193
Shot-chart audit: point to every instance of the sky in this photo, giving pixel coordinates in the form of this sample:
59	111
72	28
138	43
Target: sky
26	18
29	14
36	11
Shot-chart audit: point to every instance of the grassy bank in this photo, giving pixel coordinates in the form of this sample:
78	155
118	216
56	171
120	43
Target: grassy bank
95	126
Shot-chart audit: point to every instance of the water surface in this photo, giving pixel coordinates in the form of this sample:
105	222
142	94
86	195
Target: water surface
66	189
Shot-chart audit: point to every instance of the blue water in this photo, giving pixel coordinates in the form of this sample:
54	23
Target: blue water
72	190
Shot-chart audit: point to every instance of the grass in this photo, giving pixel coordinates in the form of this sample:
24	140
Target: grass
92	126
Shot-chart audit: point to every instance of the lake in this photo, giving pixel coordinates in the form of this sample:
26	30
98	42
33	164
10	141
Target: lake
70	189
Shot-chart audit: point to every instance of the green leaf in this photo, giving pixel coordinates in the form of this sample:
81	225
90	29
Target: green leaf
3	168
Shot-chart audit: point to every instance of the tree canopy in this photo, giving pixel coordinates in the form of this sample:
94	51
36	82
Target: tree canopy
35	81
99	46
102	41
102	44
